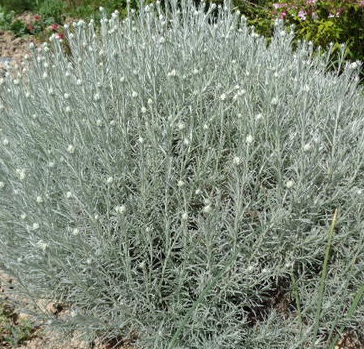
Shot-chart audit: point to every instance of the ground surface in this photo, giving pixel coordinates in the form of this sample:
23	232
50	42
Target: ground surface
12	49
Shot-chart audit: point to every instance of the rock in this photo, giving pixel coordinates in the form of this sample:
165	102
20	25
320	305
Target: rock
22	317
54	308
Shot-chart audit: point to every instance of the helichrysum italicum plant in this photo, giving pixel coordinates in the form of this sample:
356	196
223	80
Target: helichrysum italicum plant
175	178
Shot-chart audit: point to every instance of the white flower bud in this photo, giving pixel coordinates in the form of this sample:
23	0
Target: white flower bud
42	245
75	231
2	185
184	216
249	139
68	194
23	216
180	184
223	97
274	101
172	73
109	180
120	209
21	173
134	94
35	226
5	142
290	184
66	96
236	160
207	209
39	199
71	149
307	147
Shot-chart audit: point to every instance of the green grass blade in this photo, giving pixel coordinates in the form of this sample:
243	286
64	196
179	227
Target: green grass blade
323	279
358	297
297	299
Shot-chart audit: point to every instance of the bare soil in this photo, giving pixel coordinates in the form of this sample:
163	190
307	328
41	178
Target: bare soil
38	339
13	49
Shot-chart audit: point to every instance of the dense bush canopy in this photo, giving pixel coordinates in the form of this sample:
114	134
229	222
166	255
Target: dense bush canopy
176	178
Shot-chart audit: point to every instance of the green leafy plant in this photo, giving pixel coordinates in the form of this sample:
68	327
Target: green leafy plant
19	28
53	10
172	180
13	332
324	22
6	18
20	5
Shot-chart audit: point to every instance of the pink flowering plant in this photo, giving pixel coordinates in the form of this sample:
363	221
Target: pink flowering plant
37	25
327	21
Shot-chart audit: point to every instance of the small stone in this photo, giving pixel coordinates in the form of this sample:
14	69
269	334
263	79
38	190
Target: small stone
53	308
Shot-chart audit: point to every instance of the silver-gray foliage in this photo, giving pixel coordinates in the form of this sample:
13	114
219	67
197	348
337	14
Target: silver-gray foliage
134	169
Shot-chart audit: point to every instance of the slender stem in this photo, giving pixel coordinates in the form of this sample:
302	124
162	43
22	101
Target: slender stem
323	279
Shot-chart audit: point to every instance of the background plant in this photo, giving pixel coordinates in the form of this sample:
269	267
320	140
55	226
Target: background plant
53	10
175	180
324	22
13	331
6	18
20	5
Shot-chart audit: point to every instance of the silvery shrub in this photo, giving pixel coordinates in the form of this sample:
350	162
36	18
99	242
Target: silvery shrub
173	179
